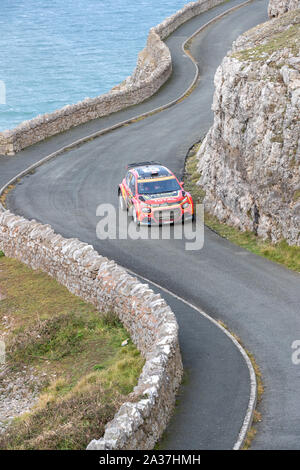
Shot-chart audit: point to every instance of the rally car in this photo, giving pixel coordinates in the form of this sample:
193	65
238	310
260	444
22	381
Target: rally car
152	194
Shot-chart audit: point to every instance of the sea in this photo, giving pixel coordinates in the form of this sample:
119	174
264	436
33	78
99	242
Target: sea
55	52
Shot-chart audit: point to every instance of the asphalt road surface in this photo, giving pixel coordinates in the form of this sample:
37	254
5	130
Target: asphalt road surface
257	299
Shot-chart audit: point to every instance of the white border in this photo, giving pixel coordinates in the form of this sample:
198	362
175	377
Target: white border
253	383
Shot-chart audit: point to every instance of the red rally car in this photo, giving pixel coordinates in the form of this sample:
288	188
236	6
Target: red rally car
152	194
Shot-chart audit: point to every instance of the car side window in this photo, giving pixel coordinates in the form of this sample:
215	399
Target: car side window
132	184
128	178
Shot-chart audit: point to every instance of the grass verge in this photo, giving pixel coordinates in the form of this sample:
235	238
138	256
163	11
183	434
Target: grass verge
281	252
5	194
86	373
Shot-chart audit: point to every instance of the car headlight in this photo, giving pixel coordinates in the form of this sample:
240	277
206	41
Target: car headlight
146	210
185	203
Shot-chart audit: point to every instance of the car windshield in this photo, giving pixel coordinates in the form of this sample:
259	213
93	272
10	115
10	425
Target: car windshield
156	187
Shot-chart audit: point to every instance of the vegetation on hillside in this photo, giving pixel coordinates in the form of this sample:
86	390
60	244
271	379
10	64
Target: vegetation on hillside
85	373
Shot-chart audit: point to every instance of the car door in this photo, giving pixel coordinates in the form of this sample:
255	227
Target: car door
126	187
131	192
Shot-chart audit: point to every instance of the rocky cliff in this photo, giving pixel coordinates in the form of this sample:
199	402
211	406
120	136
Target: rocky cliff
278	7
249	160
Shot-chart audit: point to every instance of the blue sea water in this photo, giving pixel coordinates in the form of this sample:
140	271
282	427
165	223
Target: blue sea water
55	52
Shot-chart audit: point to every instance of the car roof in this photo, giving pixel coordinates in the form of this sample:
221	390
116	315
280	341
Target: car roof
151	170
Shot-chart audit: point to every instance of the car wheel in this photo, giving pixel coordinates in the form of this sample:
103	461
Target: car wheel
122	204
184	220
134	216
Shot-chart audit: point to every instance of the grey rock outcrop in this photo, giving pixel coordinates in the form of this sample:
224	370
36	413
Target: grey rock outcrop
278	7
249	160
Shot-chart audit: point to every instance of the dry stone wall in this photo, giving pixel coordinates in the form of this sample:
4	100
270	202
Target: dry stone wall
153	69
146	316
145	82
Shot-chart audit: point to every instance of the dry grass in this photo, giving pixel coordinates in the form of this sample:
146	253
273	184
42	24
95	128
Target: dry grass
6	192
288	38
67	415
87	372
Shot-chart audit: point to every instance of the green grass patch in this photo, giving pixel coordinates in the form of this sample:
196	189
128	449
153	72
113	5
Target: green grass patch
288	38
281	252
192	175
55	332
296	195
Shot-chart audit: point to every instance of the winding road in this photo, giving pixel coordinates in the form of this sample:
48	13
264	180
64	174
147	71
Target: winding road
257	299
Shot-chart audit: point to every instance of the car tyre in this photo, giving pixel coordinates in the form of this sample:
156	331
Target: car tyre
122	204
134	216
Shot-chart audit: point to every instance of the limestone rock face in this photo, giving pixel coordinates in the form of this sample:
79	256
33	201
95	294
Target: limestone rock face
278	7
249	160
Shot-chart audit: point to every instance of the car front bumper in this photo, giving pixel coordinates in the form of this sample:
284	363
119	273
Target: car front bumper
162	216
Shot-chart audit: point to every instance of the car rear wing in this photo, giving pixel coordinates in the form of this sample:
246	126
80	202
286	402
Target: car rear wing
134	165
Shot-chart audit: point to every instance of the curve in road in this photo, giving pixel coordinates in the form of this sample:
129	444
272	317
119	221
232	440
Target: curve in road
205	436
255	297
